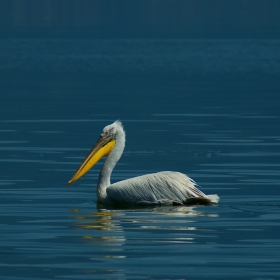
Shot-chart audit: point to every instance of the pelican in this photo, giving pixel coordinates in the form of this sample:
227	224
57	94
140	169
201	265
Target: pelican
159	188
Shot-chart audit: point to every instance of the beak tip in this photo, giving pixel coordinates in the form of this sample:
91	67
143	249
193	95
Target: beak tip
69	183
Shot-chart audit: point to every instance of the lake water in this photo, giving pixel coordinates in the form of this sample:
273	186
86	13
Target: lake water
208	108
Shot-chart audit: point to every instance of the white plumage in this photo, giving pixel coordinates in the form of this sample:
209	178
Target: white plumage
165	187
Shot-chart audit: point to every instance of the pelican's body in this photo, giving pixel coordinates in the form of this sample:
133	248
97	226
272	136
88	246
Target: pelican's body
166	187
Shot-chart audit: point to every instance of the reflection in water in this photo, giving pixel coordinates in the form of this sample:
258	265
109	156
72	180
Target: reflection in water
109	227
101	221
133	232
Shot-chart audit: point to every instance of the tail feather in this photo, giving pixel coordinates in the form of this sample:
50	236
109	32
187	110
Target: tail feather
214	198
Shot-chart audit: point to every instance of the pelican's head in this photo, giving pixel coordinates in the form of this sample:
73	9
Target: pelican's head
102	148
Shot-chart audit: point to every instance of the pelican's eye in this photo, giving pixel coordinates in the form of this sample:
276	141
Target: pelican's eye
105	133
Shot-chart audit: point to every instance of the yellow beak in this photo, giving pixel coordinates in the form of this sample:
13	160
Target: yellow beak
102	148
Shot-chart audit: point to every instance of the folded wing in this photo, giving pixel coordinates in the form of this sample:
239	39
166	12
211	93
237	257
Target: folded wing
158	188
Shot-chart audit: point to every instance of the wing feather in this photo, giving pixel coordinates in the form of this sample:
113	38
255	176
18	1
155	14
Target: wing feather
155	188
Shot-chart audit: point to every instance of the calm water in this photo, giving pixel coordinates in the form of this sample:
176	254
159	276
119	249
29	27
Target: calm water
203	107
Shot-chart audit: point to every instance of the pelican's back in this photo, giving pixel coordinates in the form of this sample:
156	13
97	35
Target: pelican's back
156	188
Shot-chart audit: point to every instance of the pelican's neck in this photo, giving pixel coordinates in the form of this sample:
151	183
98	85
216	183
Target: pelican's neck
105	173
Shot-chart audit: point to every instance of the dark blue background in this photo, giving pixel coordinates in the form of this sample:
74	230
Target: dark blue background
138	19
196	84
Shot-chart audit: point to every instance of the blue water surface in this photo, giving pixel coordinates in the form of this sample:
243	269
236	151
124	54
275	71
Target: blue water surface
208	108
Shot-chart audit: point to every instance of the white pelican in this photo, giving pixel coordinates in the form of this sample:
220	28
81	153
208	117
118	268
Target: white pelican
166	187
